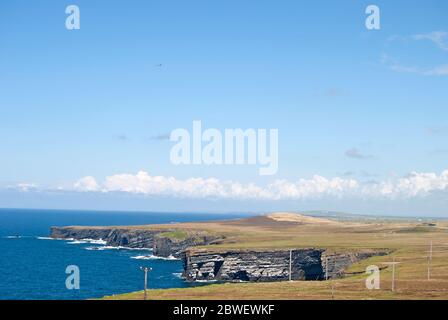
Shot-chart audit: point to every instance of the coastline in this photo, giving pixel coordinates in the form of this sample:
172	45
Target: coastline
263	248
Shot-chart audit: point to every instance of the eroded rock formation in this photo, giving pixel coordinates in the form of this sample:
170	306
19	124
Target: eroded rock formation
161	241
262	266
230	265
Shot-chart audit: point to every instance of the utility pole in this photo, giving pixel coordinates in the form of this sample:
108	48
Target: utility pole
393	263
393	274
146	270
332	291
429	261
290	265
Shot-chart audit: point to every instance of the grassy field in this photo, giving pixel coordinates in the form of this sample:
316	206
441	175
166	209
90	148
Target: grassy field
408	241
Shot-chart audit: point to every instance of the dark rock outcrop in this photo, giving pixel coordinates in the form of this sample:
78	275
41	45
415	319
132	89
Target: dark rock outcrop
166	246
79	233
233	265
335	264
252	265
158	240
262	266
117	237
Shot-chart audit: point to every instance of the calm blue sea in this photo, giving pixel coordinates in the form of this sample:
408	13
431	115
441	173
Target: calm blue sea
32	267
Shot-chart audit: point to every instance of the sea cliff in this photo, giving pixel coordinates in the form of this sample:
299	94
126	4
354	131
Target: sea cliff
264	266
224	265
164	243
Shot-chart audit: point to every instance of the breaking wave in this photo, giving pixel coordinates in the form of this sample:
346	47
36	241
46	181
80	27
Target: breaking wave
77	242
60	239
117	248
153	257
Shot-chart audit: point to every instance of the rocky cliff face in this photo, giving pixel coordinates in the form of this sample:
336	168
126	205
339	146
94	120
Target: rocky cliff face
166	246
253	266
132	238
258	266
335	264
157	240
79	233
306	264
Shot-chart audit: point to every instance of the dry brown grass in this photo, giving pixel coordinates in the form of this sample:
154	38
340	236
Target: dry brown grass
407	241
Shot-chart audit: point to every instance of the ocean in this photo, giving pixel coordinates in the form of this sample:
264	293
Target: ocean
32	266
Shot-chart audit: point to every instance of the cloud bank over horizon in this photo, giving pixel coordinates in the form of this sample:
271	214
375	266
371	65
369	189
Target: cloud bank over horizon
410	186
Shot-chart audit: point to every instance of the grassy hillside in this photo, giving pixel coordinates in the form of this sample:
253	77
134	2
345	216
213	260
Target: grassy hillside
408	241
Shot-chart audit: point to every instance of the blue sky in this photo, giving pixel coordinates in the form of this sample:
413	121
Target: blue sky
349	103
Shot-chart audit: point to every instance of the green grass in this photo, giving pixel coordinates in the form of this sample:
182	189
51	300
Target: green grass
417	229
178	235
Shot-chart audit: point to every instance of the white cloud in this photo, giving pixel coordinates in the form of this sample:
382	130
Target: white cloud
440	38
311	188
422	183
26	186
86	184
414	185
437	71
441	70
